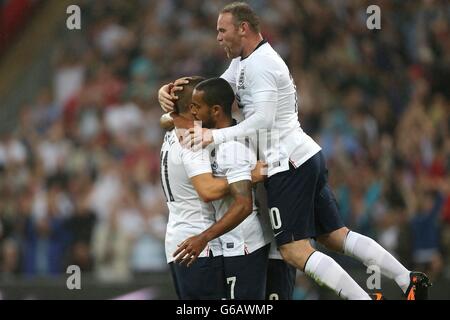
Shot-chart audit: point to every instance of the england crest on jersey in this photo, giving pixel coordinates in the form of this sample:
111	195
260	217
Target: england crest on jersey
214	165
241	80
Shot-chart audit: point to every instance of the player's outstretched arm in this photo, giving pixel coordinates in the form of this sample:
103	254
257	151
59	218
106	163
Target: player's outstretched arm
263	84
263	118
241	208
210	188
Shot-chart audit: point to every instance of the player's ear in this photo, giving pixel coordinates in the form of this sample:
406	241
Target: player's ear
216	109
243	27
194	109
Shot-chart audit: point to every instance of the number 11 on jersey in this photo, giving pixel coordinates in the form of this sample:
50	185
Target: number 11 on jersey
164	173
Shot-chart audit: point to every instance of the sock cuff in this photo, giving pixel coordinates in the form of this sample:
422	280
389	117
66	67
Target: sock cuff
313	262
350	242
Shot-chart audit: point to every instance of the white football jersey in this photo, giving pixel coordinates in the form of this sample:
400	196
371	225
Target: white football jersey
234	161
267	96
188	215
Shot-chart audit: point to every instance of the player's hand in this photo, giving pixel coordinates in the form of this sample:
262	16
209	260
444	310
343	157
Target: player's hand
167	93
197	138
178	85
189	250
259	173
164	97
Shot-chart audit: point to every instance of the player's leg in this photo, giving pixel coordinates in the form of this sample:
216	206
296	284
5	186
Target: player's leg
369	252
335	236
323	269
281	278
291	201
173	273
204	280
246	275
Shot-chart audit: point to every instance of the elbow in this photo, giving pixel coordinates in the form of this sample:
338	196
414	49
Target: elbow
247	207
166	122
265	116
271	119
206	197
162	124
266	121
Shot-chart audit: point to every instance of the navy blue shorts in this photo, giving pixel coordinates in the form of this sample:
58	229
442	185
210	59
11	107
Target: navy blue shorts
204	280
281	278
301	202
246	275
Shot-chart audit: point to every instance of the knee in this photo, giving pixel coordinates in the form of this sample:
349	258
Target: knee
288	255
334	240
297	253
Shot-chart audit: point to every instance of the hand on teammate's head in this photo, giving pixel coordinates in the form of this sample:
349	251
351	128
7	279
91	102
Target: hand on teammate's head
182	81
178	85
167	95
165	99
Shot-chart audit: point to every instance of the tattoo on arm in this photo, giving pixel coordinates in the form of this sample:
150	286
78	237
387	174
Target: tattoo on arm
241	189
236	213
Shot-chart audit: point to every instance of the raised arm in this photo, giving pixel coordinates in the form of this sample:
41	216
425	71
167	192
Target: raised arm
262	82
264	96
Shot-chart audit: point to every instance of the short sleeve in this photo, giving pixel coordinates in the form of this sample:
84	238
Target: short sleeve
195	162
237	161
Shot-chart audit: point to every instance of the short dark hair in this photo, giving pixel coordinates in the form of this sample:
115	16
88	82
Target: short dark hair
217	91
242	12
185	96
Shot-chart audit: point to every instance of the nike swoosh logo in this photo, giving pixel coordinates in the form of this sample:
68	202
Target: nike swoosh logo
276	234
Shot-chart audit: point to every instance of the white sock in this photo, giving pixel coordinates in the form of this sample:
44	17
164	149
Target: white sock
371	253
324	270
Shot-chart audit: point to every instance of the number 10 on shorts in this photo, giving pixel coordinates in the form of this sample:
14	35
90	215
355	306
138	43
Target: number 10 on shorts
275	218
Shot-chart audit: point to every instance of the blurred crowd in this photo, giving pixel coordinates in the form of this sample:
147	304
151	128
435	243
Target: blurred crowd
79	177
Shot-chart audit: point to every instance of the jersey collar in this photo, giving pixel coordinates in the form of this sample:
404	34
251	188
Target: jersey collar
259	45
